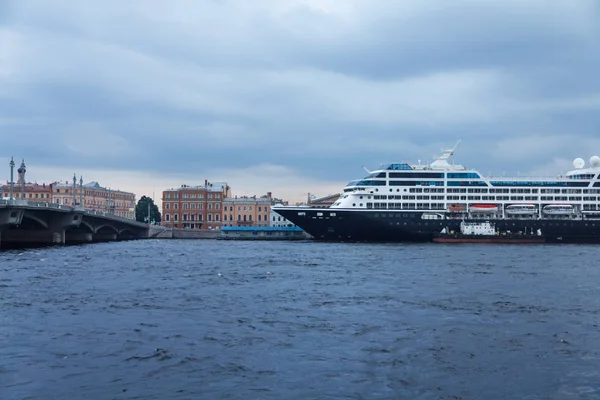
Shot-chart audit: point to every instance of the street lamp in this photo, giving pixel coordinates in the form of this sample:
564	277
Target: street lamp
12	176
21	171
74	190
108	203
81	190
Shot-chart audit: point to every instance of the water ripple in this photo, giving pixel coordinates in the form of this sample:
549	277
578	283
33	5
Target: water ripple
221	320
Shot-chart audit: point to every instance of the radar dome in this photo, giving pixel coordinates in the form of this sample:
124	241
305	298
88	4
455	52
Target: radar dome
578	163
595	162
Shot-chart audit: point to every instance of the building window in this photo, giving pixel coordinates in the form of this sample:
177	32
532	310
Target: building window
210	217
167	206
210	206
185	206
216	206
168	217
216	217
259	209
176	217
176	206
239	217
259	216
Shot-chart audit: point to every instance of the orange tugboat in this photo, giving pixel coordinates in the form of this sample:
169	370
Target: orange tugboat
485	232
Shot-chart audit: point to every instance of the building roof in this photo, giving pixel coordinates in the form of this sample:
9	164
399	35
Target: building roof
90	185
246	200
210	187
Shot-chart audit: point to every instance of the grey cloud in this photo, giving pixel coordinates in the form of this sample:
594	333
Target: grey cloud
320	90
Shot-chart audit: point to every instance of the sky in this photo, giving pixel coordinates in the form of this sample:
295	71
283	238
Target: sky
294	96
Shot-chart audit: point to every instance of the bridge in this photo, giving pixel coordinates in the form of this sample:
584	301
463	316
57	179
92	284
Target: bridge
31	224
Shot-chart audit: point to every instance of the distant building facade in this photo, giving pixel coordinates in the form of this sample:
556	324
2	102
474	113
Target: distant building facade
23	190
278	221
325	201
247	211
33	192
195	207
94	197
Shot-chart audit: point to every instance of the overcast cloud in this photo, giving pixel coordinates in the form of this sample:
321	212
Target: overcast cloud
294	96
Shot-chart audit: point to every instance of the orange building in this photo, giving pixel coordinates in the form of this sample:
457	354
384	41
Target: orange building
194	207
247	211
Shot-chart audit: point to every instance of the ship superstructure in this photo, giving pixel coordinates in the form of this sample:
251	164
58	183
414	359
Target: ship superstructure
443	191
452	189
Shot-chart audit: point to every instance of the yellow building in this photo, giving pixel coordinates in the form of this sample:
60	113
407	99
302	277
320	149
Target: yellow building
92	196
247	211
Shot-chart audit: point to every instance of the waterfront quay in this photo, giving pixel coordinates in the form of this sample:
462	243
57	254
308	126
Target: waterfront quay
33	224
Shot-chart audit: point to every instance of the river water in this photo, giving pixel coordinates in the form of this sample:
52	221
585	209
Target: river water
169	319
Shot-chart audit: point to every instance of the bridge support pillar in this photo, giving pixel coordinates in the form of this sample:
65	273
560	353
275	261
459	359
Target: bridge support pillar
105	237
78	237
15	238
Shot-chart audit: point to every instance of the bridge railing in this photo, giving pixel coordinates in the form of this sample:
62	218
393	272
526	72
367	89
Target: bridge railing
36	204
55	206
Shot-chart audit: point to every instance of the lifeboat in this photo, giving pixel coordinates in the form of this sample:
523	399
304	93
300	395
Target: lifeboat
456	208
483	208
521	209
556	209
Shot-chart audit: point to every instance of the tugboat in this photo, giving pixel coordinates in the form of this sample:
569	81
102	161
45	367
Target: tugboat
485	232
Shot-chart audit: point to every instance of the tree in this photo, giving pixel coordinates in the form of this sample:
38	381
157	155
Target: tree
141	210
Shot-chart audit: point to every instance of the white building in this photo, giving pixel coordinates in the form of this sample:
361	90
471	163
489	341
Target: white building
278	221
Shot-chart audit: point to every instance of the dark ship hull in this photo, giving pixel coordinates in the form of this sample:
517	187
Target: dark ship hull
339	225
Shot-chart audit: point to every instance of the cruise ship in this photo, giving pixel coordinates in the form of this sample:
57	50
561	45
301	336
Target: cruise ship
402	202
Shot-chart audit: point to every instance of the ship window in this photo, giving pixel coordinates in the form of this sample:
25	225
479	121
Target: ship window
463	175
377	175
398	167
353	204
366	183
417	175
